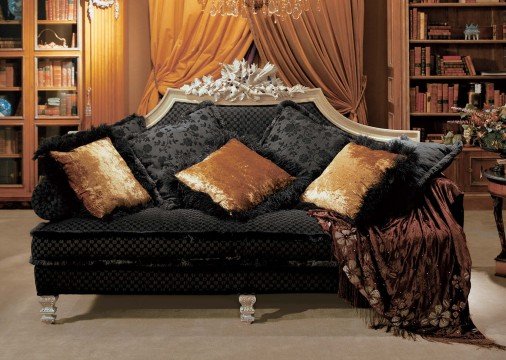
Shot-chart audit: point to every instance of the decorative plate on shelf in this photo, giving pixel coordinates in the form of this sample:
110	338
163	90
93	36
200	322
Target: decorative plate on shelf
5	107
16	8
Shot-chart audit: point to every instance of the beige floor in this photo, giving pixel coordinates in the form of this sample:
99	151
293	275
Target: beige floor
207	327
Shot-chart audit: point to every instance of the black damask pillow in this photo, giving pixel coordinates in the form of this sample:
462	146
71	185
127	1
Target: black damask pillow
433	158
163	150
296	137
130	126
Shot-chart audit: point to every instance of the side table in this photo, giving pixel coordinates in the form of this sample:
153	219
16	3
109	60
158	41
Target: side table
497	188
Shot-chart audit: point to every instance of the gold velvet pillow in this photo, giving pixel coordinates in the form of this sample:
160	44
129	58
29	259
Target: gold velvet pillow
235	177
344	183
101	178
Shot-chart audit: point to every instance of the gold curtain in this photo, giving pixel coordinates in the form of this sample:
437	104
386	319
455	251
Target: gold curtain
321	49
186	43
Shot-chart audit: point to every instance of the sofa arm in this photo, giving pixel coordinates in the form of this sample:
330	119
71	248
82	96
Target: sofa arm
53	201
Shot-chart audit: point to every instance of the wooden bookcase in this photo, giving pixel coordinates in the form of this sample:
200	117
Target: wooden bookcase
32	119
488	55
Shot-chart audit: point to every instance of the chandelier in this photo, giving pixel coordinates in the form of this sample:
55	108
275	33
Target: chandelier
278	8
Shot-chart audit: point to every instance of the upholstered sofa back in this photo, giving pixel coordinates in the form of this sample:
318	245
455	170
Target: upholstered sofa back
244	120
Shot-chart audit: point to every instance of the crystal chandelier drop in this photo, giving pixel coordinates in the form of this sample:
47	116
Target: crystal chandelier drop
278	8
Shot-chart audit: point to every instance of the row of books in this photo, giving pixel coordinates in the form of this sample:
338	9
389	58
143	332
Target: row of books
10	171
454	65
56	73
417	25
420	60
10	140
10	43
493	97
61	10
423	63
6	73
63	105
439	98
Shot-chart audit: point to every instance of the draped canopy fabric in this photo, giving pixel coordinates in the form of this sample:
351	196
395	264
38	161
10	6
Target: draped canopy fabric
321	49
186	43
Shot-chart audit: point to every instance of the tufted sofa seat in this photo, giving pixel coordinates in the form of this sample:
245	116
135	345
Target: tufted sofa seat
155	235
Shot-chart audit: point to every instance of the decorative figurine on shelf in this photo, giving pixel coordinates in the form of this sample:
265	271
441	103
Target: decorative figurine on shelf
52	44
16	9
5	107
450	138
472	32
467	135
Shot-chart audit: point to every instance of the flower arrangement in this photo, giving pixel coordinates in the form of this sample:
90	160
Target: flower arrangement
486	128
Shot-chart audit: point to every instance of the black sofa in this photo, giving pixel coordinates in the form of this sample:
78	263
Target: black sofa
185	251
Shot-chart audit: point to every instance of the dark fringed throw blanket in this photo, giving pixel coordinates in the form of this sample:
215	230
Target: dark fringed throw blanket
414	271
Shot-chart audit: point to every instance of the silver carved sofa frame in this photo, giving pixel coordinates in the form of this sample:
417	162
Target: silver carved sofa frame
316	96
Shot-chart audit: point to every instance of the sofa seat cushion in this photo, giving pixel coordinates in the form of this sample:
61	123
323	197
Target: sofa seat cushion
155	234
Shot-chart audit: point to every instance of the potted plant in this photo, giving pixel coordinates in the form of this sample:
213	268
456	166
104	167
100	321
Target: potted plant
486	128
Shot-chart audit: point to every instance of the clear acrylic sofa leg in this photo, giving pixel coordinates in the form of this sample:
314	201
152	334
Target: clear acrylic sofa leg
48	311
247	310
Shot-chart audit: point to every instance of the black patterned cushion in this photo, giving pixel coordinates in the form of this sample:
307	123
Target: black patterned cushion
167	149
53	200
294	136
433	158
129	126
248	120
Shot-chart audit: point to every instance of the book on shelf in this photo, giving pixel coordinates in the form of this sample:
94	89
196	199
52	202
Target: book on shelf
454	65
61	10
417	25
10	43
6	73
56	73
493	97
439	31
10	171
10	140
438	98
65	104
420	59
493	73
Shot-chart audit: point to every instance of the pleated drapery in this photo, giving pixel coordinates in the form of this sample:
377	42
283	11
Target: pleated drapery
186	43
321	49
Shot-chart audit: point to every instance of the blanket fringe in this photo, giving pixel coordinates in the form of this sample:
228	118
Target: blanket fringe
376	321
350	293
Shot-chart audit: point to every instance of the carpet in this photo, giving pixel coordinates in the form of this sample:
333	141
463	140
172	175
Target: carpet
295	326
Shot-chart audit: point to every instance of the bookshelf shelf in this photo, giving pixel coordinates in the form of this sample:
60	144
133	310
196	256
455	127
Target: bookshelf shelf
458	42
456	5
465	77
48	117
3	119
57	22
435	114
10	22
11	156
59	88
11	88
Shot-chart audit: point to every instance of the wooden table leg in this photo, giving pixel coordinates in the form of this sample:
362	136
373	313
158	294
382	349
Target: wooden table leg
501	258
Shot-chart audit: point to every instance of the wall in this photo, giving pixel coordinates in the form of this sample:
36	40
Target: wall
137	52
375	62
